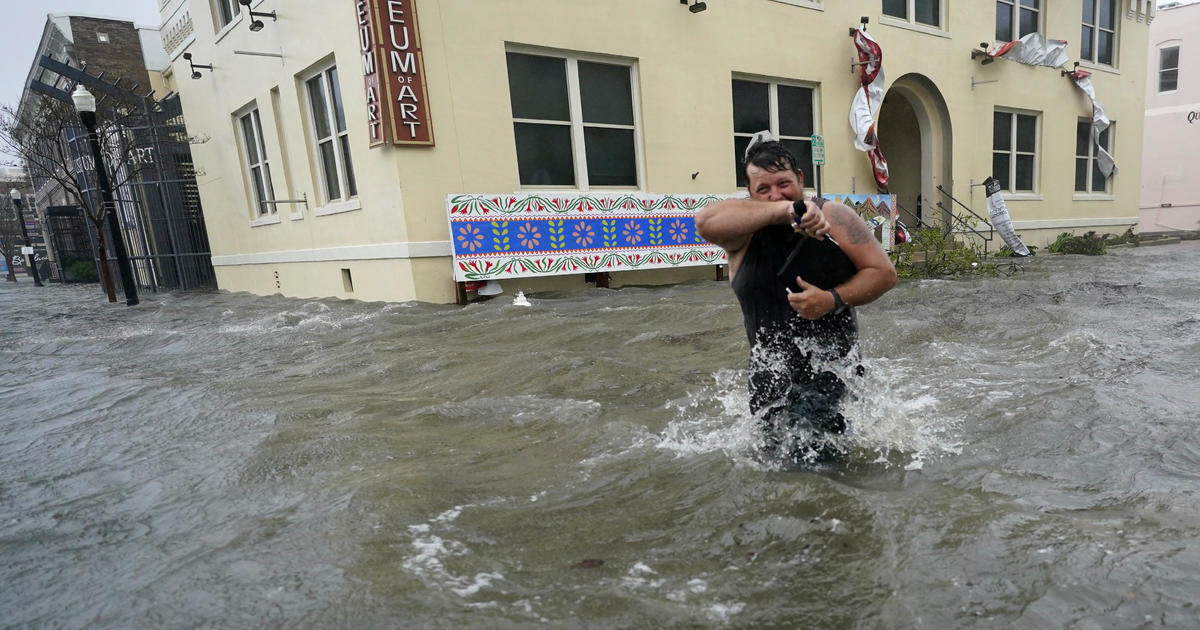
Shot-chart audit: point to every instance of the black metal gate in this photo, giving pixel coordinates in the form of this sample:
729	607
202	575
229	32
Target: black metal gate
72	244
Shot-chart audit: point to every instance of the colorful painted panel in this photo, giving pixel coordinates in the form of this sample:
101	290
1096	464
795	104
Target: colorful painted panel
879	211
522	235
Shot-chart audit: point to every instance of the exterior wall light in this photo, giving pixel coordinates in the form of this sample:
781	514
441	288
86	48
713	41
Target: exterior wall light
256	24
695	8
193	66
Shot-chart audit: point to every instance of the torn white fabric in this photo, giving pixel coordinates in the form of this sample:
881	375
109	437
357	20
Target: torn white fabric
1104	160
1033	50
864	109
998	213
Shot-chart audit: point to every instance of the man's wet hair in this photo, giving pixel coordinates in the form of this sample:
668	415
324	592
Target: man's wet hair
771	156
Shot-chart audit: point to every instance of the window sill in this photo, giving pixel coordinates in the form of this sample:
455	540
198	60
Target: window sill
1098	67
337	207
296	216
225	30
913	26
270	219
807	4
1092	197
1022	196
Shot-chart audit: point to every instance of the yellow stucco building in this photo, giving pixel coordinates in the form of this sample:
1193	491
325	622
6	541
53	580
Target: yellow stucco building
636	96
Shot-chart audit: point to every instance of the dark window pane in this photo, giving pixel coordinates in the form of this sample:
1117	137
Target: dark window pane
537	87
348	166
1030	3
1026	133
1024	173
1000	170
1168	58
751	112
1081	169
1108	9
1104	48
266	174
1099	184
1104	138
802	149
795	111
611	160
251	140
896	8
320	114
259	193
339	114
1168	81
544	155
1083	136
1089	11
928	12
739	151
605	93
1085	45
329	164
1001	132
1029	21
1004	30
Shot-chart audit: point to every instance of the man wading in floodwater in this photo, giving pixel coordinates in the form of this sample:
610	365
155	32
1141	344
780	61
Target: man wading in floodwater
793	333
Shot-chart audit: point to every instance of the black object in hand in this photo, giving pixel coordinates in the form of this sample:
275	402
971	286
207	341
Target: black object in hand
819	262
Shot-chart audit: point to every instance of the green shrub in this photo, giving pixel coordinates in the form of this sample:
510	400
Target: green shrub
82	271
933	254
1127	238
1089	244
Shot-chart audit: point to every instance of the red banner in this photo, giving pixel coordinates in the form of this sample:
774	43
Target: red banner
394	73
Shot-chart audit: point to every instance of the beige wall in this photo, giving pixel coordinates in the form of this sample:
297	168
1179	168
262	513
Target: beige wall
684	64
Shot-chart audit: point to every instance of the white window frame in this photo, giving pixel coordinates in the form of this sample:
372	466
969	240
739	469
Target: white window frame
1015	9
1092	153
1013	152
254	161
346	199
910	19
1095	26
773	111
1162	70
220	7
575	108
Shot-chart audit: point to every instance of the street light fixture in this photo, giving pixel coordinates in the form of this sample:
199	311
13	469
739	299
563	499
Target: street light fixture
256	25
27	251
85	104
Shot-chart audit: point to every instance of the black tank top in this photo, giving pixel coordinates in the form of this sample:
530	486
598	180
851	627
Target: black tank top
767	316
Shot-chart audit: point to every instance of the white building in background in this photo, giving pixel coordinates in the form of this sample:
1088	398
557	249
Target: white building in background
1170	198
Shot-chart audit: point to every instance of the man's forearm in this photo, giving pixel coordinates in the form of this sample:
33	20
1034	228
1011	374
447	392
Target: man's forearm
732	220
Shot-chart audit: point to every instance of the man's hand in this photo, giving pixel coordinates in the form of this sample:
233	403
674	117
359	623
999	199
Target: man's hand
812	302
813	222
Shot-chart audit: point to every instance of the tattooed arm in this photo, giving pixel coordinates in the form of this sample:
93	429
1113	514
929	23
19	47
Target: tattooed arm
875	276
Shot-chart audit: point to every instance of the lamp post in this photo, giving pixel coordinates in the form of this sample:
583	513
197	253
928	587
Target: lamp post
85	104
15	195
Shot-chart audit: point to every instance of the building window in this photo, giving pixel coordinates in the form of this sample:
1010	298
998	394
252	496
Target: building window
1088	177
1099	37
1014	150
226	11
1017	18
1168	69
927	12
257	167
789	111
332	151
573	121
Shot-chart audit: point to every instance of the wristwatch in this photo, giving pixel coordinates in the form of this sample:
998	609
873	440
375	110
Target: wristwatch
838	304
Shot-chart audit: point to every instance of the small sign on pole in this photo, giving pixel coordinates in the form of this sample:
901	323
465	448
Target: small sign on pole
818	150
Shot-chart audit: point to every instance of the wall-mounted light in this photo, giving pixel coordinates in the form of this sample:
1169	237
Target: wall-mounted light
256	24
195	72
694	8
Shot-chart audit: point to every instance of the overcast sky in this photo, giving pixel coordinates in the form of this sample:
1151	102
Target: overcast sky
21	23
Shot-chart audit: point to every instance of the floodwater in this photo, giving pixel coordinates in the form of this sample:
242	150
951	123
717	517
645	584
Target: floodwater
1024	453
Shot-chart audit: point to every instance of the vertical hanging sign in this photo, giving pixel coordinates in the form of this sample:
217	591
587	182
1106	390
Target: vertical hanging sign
394	73
377	124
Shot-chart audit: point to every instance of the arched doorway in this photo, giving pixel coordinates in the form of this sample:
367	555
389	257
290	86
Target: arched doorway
916	138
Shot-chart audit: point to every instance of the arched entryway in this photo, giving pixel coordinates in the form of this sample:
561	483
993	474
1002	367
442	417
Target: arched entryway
916	138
